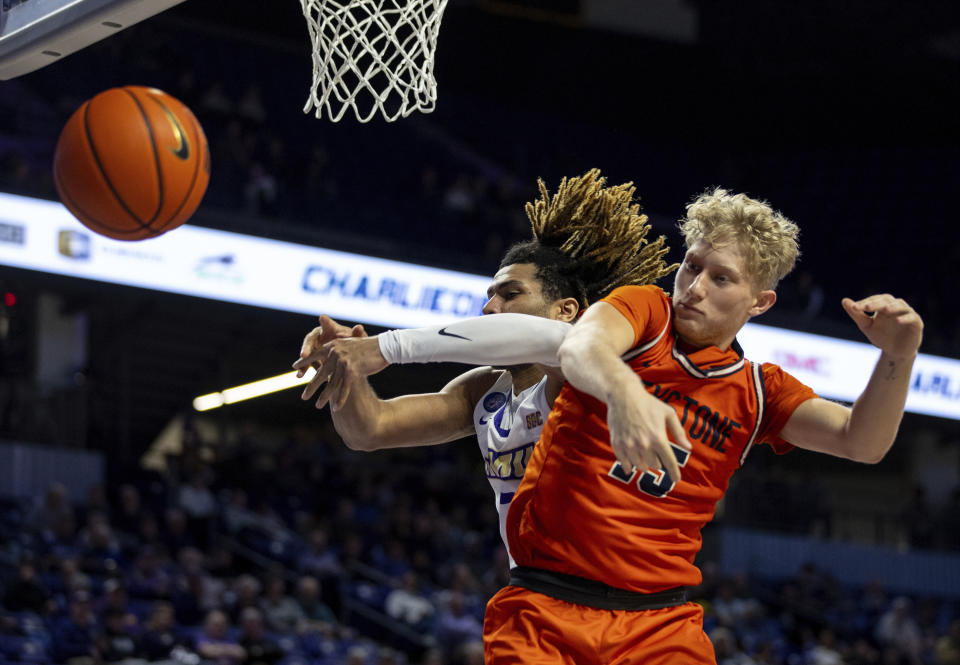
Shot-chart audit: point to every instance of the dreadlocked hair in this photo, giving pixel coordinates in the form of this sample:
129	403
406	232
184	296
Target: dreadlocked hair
589	239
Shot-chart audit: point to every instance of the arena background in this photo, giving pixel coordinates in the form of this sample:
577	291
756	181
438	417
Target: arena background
843	115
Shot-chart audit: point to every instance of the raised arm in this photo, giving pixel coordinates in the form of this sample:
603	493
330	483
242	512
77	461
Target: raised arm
639	422
866	431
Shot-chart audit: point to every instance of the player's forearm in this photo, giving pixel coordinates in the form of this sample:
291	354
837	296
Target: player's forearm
876	415
499	340
358	420
366	422
594	368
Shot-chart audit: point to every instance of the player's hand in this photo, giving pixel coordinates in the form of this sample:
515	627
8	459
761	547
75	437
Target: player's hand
641	428
327	330
889	323
343	361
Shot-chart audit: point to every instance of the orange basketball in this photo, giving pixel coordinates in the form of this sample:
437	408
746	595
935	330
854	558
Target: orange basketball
132	163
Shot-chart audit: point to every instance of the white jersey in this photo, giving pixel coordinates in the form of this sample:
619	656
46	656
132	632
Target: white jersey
508	426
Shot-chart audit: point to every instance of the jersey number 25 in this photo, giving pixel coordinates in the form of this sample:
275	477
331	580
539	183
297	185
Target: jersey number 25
655	482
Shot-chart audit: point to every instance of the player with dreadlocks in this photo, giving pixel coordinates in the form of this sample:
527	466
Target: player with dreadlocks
588	239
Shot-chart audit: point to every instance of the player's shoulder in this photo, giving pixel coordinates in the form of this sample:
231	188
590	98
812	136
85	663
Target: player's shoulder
647	308
635	292
638	291
777	379
478	381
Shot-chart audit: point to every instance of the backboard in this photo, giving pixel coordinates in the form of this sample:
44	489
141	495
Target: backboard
36	33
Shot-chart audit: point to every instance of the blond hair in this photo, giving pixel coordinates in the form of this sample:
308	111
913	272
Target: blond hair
596	235
766	239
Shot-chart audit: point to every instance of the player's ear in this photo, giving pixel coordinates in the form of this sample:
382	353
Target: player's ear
566	309
763	301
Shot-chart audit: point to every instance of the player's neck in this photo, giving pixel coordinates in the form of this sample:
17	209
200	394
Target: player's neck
524	376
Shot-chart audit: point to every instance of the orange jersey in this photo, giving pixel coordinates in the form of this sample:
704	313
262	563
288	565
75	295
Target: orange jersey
578	512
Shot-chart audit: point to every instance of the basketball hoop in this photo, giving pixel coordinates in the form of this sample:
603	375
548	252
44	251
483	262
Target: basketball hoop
372	55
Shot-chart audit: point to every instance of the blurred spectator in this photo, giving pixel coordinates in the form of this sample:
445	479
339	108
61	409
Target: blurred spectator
215	643
176	535
898	629
245	593
873	601
25	593
195	590
317	615
283	614
187	592
260	191
149	577
391	559
95	503
116	640
199	506
387	656
236	514
766	654
115	601
357	655
862	653
160	636
497	575
261	650
71	577
947	648
148	531
460	197
825	652
128	515
215	101
100	552
52	508
726	648
251	107
73	635
471	653
732	608
454	626
319	559
191	562
406	604
62	540
434	656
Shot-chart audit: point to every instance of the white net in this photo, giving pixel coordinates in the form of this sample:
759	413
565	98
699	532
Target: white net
372	56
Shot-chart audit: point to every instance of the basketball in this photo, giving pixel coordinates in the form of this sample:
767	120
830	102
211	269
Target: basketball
132	163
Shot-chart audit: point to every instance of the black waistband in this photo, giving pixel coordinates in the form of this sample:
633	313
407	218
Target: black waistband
582	591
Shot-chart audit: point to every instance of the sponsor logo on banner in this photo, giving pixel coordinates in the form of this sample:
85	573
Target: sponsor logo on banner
936	384
126	250
798	362
221	268
14	234
73	244
321	280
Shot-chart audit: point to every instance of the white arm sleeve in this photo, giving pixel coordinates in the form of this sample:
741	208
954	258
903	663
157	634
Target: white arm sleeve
495	339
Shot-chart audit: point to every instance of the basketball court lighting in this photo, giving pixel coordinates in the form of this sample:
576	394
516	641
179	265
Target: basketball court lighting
250	390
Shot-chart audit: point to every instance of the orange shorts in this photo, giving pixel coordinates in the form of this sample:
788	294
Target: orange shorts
523	627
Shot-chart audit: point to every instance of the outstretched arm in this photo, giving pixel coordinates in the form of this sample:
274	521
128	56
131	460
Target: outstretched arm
639	423
500	340
366	422
866	431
